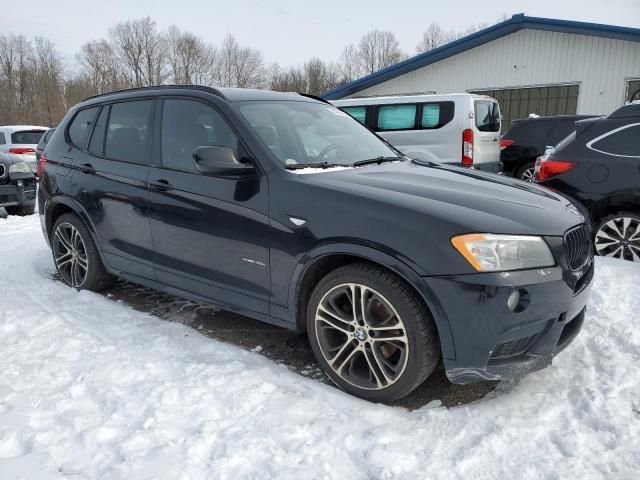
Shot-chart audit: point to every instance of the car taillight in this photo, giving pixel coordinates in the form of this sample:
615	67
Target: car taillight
41	164
505	143
546	169
21	150
467	147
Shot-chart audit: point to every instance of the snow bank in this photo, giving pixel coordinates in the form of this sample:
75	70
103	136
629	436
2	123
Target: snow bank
91	389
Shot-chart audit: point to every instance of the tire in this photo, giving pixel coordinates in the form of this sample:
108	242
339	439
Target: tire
21	210
75	255
360	357
618	236
525	172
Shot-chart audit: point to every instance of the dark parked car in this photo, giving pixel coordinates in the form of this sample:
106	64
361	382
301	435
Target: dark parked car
17	185
284	208
599	166
528	138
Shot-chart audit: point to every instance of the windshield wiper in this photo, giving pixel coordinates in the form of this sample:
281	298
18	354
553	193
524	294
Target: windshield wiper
377	160
298	166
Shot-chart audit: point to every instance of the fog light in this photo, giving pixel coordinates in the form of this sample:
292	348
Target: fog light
20	183
513	300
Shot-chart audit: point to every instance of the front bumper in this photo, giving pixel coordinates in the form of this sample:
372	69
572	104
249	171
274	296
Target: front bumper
18	190
492	342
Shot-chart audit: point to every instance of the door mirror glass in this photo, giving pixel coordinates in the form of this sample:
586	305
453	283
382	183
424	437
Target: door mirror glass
217	160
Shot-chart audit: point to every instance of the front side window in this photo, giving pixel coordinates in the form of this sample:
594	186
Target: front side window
623	142
300	133
397	117
81	126
359	113
487	115
127	131
187	125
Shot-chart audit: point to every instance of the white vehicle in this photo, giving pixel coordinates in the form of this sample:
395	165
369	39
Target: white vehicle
22	140
458	128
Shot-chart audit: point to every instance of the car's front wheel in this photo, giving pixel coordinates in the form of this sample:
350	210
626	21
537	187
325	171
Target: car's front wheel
75	255
371	333
618	236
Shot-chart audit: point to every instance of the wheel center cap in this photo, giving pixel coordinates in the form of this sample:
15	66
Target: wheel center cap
361	335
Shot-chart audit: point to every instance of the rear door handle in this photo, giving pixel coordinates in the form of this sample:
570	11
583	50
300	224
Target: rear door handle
161	184
87	168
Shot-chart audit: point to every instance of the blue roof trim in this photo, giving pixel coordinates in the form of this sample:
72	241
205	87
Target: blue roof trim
515	23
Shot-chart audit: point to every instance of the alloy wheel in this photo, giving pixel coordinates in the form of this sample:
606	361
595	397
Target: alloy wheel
361	336
619	238
528	175
70	254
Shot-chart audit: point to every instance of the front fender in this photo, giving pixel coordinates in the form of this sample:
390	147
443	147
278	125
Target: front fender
409	273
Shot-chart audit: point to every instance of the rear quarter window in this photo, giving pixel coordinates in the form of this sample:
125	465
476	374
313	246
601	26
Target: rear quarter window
487	115
624	142
80	126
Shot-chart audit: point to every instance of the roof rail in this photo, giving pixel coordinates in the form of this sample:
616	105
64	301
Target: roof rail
203	88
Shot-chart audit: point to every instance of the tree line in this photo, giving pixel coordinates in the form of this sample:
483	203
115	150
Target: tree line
37	89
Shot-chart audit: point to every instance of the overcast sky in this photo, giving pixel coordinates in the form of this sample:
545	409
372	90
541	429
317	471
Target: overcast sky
292	31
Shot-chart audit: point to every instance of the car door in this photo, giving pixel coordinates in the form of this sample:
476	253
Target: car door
211	234
110	181
487	131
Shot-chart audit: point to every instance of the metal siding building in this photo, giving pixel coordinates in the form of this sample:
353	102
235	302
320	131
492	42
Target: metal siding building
530	65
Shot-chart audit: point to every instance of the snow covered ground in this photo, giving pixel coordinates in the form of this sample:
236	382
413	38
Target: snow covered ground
91	389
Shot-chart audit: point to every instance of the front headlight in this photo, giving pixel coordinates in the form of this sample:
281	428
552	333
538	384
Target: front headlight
499	253
20	167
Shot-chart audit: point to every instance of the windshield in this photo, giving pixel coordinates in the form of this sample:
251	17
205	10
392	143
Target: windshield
27	137
305	133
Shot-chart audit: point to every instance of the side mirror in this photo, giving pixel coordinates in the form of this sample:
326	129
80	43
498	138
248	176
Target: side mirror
218	160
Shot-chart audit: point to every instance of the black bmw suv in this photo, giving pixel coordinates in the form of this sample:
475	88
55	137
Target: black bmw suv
283	208
598	165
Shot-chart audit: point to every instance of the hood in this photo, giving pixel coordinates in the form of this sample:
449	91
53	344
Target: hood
476	201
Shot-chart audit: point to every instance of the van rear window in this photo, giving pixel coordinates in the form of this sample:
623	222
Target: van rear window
27	137
487	115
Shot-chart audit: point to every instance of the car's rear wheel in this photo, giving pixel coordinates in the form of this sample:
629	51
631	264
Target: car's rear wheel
371	333
527	172
75	255
22	210
618	236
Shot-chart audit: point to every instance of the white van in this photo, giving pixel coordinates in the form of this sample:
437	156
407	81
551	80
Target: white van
458	128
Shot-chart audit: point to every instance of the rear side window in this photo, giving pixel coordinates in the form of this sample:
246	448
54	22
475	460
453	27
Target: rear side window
487	115
436	115
128	131
96	145
28	136
623	142
397	117
2	140
359	113
81	126
188	124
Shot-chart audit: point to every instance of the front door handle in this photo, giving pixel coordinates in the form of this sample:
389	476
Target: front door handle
87	168
161	184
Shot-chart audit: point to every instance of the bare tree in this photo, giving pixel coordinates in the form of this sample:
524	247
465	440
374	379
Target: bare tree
239	66
48	81
142	50
378	50
433	37
101	67
191	60
350	66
